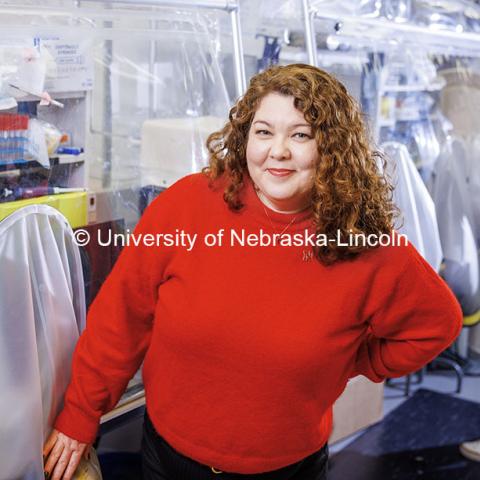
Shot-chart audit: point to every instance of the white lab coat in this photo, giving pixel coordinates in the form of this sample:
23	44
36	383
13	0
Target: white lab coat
460	102
42	311
472	144
450	193
418	220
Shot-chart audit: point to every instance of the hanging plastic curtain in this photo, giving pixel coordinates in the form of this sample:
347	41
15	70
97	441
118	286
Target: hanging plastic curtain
418	221
460	103
454	213
158	93
456	186
42	311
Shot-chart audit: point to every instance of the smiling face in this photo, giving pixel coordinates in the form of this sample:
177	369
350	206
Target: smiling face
281	154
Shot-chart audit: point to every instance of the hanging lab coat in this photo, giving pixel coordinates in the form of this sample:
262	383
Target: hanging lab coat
418	220
473	178
449	190
42	311
460	103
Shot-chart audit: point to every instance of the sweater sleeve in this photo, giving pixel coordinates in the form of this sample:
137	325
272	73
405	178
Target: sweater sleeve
411	315
117	335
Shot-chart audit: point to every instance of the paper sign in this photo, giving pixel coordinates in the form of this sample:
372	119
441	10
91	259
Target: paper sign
73	58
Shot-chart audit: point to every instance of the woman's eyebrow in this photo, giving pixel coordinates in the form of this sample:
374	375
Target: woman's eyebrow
262	121
301	125
296	125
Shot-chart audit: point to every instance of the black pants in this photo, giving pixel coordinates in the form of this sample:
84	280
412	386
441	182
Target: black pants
161	462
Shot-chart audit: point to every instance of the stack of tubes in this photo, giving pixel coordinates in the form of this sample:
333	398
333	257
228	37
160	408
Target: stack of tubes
13	138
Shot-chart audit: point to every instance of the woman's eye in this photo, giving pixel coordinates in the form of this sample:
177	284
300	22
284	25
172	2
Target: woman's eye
262	132
302	135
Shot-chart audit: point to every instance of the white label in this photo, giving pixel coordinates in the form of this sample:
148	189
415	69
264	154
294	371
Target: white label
74	63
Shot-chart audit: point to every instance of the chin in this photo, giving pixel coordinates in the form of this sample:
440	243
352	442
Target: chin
279	192
275	194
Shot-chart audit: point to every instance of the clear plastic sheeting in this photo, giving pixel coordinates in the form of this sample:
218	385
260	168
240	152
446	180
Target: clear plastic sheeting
460	103
418	221
167	135
457	177
158	93
42	311
454	15
131	76
408	107
168	72
454	213
396	10
272	33
355	25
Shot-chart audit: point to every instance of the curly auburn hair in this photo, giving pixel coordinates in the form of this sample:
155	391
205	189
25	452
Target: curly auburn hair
349	192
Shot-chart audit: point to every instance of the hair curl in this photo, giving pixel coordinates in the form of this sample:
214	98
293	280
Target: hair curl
349	193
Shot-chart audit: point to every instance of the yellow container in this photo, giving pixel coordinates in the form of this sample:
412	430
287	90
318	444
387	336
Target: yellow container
472	320
72	205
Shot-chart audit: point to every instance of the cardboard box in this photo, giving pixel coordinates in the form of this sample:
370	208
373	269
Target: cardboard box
360	405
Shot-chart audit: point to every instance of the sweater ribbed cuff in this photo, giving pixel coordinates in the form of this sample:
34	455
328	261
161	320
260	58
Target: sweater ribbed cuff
75	424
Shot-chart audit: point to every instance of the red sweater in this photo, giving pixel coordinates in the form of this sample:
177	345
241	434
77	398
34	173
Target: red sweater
245	349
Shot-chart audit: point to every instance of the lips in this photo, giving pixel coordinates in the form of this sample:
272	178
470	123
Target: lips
280	172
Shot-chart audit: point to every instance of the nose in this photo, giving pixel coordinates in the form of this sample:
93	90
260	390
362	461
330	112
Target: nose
279	149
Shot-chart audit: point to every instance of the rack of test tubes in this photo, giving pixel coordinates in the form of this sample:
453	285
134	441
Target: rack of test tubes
13	138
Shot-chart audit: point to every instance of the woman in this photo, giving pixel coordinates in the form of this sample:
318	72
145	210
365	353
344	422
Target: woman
249	332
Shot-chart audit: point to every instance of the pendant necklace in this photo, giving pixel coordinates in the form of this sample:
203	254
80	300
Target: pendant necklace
307	255
273	226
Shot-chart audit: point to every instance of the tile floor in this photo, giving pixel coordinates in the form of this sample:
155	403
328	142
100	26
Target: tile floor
440	381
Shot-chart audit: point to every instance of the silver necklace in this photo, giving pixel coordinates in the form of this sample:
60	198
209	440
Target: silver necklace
307	255
273	226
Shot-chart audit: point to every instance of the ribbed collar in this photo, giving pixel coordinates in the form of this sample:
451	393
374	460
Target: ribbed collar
268	217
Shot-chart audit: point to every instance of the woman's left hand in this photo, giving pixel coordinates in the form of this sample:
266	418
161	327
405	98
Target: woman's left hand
62	455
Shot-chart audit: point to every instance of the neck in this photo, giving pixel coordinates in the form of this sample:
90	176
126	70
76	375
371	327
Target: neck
276	208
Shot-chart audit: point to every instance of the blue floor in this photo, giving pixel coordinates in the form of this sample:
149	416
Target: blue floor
417	440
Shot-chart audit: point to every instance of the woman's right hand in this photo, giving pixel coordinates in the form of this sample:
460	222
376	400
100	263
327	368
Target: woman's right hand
62	455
